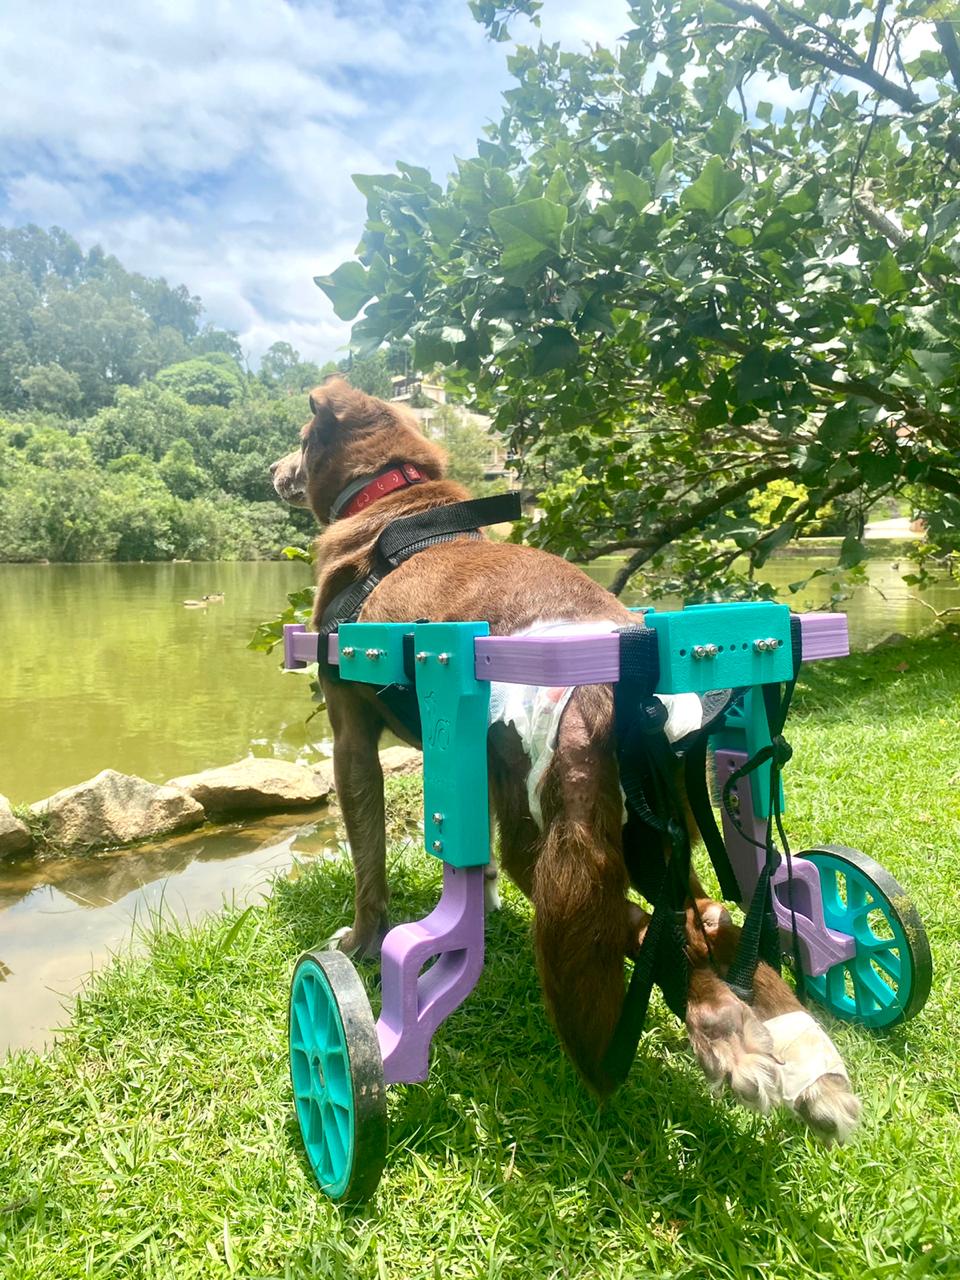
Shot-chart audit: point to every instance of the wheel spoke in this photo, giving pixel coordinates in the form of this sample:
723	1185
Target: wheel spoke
889	960
867	979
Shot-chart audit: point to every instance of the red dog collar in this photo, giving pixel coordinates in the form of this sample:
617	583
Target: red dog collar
359	495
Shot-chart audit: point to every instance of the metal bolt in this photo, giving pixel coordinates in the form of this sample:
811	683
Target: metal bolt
443	658
438	846
766	646
374	654
705	651
347	651
422	657
438	819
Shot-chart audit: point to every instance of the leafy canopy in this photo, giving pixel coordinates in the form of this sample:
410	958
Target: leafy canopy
671	290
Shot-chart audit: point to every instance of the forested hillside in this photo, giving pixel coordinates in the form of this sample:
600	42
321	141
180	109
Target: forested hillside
129	428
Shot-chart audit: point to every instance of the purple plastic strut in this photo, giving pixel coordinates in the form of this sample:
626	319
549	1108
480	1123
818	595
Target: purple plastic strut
414	1003
820	948
569	660
566	660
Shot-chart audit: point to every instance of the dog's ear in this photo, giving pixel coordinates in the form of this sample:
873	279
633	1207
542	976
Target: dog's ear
335	401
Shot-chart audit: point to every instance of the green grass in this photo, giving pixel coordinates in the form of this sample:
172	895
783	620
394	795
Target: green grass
157	1138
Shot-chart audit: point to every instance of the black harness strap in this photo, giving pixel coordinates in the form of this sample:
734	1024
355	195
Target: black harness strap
405	537
698	797
647	766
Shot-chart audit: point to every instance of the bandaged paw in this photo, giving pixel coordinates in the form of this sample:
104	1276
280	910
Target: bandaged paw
805	1051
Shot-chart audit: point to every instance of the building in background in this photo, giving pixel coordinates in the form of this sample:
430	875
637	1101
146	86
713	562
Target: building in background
427	400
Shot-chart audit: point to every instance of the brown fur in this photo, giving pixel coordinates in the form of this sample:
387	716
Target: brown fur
574	870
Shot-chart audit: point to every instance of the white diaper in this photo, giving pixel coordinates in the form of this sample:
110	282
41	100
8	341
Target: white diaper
806	1050
535	710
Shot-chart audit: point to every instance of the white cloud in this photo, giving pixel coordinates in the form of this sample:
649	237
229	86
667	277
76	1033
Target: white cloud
213	142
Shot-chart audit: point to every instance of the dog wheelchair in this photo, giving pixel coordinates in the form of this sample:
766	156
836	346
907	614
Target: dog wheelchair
856	943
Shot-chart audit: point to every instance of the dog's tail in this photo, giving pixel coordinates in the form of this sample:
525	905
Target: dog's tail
582	929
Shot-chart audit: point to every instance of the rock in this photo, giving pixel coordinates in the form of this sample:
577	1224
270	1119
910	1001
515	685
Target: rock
15	835
400	760
115	808
252	785
892	640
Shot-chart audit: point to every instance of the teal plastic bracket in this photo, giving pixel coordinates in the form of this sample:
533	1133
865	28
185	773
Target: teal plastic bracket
454	710
746	729
372	652
722	646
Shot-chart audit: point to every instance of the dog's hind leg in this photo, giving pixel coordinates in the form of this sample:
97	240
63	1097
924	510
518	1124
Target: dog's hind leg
813	1080
359	779
584	923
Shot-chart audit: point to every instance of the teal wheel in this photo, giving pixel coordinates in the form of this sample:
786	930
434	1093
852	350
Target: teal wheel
337	1075
887	980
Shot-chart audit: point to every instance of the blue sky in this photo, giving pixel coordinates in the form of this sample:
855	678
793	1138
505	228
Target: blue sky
212	143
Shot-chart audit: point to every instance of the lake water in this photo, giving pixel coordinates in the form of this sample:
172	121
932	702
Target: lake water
103	667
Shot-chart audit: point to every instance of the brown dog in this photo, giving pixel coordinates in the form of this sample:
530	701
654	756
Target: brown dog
573	868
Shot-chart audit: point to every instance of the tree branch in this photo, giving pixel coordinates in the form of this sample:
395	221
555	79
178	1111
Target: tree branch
951	50
855	69
672	529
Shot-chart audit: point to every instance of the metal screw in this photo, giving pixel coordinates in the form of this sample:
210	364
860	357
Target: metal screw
443	658
765	646
374	654
347	651
438	846
438	819
705	651
422	657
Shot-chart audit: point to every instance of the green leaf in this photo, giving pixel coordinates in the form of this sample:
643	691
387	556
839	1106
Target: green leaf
721	135
556	348
558	188
631	190
529	233
445	223
887	278
937	365
839	428
851	551
662	157
714	189
777	228
347	288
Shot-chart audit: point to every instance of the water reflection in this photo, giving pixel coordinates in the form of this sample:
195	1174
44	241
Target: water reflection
63	919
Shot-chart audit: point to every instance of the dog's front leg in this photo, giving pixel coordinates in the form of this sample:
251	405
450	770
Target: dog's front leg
359	778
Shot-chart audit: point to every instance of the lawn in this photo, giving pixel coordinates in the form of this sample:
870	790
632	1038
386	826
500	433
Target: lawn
157	1138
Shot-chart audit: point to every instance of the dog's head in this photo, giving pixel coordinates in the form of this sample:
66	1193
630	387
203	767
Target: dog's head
350	435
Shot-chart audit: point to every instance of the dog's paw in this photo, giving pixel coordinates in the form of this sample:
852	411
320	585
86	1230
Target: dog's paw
491	896
814	1081
354	945
829	1108
735	1050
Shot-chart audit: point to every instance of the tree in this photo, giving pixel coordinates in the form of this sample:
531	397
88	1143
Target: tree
684	292
92	324
209	379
